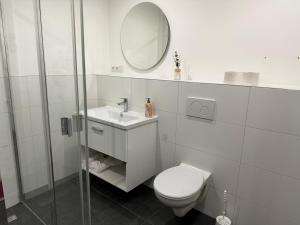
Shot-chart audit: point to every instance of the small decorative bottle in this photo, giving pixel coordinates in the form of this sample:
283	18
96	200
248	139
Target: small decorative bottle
148	108
177	74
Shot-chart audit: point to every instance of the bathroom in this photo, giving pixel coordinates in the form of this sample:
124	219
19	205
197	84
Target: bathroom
100	121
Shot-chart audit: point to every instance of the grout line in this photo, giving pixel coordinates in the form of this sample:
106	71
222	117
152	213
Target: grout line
273	131
208	153
270	171
276	87
236	210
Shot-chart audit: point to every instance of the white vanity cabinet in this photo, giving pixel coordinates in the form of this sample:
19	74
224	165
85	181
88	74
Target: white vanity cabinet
135	146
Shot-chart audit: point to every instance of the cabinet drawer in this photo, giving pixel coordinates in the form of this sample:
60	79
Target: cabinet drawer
106	139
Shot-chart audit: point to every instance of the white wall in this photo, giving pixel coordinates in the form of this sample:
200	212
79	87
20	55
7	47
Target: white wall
251	148
218	36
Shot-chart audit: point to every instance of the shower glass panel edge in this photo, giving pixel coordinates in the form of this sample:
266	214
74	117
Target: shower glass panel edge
45	104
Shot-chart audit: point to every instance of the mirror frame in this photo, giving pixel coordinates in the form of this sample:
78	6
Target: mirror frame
165	51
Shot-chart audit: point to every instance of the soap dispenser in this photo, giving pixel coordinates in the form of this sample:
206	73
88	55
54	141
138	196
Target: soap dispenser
148	108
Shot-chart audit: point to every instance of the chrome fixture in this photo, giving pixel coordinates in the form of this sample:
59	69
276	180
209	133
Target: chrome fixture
125	103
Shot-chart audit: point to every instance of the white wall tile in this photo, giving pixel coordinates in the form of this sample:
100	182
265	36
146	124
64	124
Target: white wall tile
57	35
23	123
164	94
113	88
167	126
224	172
2	89
274	109
19	91
8	175
36	119
91	86
42	178
71	156
212	137
231	101
254	214
60	88
11	199
5	138
139	92
3	105
58	155
272	151
55	112
271	190
165	155
27	164
34	91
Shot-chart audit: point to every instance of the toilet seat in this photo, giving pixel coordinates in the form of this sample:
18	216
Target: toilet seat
179	182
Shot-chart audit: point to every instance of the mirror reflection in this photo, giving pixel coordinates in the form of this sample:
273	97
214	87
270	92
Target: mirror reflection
145	36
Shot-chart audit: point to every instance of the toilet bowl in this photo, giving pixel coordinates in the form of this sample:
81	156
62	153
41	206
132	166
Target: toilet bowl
181	187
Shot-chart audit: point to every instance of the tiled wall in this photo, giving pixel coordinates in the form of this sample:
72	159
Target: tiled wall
252	146
7	162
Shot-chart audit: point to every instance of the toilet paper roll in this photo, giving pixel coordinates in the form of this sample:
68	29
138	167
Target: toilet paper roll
223	220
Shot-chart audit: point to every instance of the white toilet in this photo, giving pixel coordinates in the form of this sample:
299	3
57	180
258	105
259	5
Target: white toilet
181	187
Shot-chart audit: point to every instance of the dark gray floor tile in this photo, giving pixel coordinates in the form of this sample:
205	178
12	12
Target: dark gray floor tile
110	191
25	217
142	202
165	216
146	223
116	215
109	206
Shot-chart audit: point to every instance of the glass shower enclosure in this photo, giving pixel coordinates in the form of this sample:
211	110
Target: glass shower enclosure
44	74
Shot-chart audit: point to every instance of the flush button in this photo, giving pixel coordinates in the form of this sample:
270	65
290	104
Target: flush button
200	107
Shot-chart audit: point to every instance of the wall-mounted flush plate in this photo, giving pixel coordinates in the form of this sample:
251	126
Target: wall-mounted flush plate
200	107
117	69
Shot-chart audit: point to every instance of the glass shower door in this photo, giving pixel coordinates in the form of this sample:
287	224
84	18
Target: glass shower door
24	103
46	88
58	43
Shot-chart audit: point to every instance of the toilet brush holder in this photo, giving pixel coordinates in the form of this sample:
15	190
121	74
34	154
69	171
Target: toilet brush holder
223	220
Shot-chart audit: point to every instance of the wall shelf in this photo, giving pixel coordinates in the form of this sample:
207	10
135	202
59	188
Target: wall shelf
115	175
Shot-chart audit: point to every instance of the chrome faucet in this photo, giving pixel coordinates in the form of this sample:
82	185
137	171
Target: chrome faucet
125	103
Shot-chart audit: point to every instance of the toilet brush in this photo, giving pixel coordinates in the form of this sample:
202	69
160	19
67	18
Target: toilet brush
223	219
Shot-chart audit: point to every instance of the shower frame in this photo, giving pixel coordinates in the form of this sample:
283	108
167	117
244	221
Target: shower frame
86	215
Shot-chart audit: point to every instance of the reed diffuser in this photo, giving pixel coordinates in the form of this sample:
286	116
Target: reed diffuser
177	60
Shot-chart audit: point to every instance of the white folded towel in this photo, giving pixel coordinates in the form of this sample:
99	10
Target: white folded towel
106	163
100	163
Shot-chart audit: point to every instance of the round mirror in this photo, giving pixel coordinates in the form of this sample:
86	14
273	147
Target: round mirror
145	36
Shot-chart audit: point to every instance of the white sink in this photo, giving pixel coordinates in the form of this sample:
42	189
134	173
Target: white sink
115	117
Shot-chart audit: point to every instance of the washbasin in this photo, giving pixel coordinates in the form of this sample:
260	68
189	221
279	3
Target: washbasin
121	116
115	117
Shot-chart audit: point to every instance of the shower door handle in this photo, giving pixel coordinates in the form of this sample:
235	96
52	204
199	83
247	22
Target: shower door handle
66	126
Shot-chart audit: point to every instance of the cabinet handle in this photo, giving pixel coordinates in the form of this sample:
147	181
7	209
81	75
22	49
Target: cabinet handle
98	129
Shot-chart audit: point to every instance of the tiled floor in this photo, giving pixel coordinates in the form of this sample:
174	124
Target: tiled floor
110	206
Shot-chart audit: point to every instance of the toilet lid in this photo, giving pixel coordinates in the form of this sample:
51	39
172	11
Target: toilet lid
179	182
